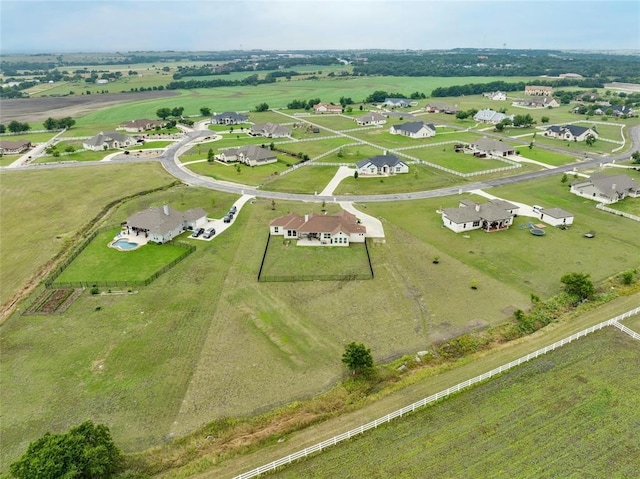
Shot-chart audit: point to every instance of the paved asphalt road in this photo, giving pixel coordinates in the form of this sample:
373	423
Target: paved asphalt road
171	163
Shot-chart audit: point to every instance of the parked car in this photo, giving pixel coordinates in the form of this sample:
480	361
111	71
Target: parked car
197	232
233	210
227	218
209	233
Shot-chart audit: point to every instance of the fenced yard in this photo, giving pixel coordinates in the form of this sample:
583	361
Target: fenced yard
285	261
97	264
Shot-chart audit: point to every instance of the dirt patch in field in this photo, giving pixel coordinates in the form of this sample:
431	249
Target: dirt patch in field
39	109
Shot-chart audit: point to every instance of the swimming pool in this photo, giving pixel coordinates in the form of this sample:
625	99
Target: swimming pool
124	245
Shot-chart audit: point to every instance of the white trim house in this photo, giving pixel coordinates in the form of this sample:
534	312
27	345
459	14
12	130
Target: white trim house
495	215
381	165
162	223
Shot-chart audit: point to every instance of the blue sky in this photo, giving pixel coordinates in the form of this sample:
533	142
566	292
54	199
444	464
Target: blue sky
54	26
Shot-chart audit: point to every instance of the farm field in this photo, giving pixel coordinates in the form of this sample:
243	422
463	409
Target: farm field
32	137
54	214
565	413
100	263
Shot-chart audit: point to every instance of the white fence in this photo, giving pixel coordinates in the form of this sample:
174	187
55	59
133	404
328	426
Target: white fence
602	207
442	394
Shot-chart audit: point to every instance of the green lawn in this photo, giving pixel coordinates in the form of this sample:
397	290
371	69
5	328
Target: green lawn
352	154
419	178
32	137
227	128
306	179
86	155
462	162
578	147
531	264
628	205
570	413
334	122
150	145
239	173
285	258
100	263
316	147
548	157
6	160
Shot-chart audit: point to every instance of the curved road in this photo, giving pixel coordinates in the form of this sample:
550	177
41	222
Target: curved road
170	161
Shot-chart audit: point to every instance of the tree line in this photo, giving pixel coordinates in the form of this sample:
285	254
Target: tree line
479	88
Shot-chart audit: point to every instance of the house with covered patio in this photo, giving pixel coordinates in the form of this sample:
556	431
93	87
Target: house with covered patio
495	215
340	229
161	224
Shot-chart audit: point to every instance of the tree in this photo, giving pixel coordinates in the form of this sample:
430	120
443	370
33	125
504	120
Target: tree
564	178
3	129
86	451
590	140
635	157
355	175
500	126
544	119
357	358
210	154
262	107
16	127
462	115
50	124
578	285
205	111
163	113
177	111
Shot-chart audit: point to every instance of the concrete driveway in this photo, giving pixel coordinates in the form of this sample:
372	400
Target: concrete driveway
219	225
373	224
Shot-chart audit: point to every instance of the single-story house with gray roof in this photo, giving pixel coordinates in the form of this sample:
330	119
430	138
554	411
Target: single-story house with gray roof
141	125
493	147
399	102
251	155
489	116
269	130
162	223
381	165
606	189
495	215
108	141
570	132
371	118
414	129
229	118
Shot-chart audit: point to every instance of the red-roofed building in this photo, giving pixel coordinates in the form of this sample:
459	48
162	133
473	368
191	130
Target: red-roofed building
320	230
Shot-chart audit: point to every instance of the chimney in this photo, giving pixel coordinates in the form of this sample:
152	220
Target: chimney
613	187
477	207
165	208
306	217
385	153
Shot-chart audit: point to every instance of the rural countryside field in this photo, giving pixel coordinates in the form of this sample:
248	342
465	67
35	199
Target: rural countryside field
200	369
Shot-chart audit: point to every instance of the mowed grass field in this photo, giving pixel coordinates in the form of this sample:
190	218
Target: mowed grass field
285	258
42	210
98	262
571	413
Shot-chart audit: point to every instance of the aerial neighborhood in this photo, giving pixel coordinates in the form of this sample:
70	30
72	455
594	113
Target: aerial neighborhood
219	256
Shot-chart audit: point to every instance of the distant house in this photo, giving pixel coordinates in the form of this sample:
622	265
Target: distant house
492	147
269	130
327	108
570	132
538	90
490	116
162	223
555	216
107	141
414	129
229	118
607	189
14	147
399	102
614	110
495	95
251	155
381	165
495	215
371	118
441	108
138	126
320	230
537	102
